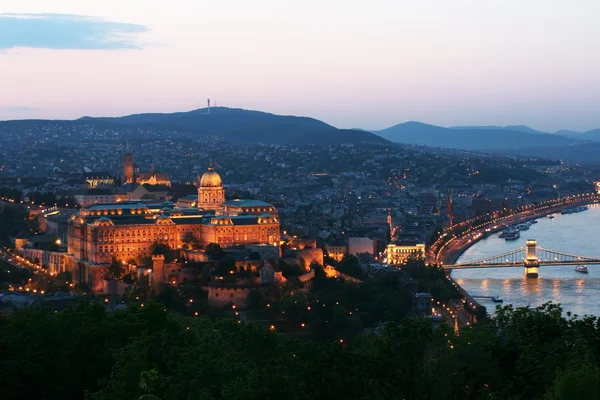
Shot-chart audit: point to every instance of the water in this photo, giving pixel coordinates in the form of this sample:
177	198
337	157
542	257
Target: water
576	292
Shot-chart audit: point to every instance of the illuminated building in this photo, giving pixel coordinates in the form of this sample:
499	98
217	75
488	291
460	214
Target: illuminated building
151	178
126	230
337	251
96	179
210	191
399	252
128	169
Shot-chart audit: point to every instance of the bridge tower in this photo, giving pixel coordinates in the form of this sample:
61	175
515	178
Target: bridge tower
532	262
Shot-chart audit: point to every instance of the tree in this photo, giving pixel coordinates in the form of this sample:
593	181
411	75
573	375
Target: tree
350	266
170	297
190	242
214	251
129	278
579	381
256	300
115	270
226	267
158	248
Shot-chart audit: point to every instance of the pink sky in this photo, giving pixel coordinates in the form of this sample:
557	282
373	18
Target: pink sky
350	63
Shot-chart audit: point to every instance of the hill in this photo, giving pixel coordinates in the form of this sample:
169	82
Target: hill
584	153
476	138
588	135
246	126
516	128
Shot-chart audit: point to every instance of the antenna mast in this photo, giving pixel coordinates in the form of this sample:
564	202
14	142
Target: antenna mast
208	109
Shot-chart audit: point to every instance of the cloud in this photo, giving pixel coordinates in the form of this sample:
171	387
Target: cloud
65	31
17	108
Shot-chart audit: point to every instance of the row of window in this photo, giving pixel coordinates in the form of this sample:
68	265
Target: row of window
136	239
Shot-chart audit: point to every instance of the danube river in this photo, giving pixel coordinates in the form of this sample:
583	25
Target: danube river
572	233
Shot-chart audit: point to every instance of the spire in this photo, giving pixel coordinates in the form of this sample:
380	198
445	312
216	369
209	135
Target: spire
127	147
152	170
210	167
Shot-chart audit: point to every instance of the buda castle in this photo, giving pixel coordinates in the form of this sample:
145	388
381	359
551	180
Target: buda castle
126	230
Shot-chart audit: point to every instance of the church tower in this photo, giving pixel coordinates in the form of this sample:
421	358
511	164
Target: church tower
128	172
210	191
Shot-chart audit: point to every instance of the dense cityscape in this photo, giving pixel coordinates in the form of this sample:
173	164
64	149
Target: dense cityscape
338	245
391	200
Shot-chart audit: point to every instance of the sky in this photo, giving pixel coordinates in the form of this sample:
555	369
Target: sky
353	64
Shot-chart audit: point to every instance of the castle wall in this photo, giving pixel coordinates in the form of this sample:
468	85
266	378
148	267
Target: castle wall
194	255
220	297
311	255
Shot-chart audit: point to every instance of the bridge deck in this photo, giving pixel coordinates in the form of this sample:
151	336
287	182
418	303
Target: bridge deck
520	264
532	255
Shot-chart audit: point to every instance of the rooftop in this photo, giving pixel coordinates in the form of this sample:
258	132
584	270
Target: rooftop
124	205
246	203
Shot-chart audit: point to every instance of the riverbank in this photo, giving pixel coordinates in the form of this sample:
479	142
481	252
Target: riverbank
452	250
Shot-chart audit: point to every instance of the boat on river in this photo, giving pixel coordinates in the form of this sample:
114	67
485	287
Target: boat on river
497	299
574	210
550	216
508	231
524	226
582	268
514	235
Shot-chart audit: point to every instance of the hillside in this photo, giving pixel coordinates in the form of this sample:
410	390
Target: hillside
475	138
588	135
585	153
245	126
516	128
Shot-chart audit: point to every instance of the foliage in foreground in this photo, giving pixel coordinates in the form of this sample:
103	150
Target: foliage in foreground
150	353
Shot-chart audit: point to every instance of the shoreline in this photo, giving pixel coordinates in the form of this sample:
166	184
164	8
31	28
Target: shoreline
451	255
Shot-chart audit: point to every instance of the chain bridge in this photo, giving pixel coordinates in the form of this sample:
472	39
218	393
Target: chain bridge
531	257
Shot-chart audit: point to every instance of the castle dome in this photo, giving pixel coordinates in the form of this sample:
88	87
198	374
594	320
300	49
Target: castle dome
210	179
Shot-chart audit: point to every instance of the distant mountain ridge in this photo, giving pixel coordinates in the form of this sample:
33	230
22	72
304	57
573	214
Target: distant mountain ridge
246	126
473	138
516	128
593	134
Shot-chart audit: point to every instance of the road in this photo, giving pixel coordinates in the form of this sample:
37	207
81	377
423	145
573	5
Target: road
14	260
449	253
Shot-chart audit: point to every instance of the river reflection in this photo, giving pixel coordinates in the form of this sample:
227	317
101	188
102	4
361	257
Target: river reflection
579	293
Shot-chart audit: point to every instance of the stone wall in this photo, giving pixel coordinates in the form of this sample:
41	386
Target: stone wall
311	255
115	287
194	255
220	297
334	273
266	252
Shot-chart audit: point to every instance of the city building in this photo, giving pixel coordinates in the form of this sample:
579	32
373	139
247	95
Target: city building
96	179
336	250
150	178
210	191
360	245
95	196
153	178
128	168
399	252
126	230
